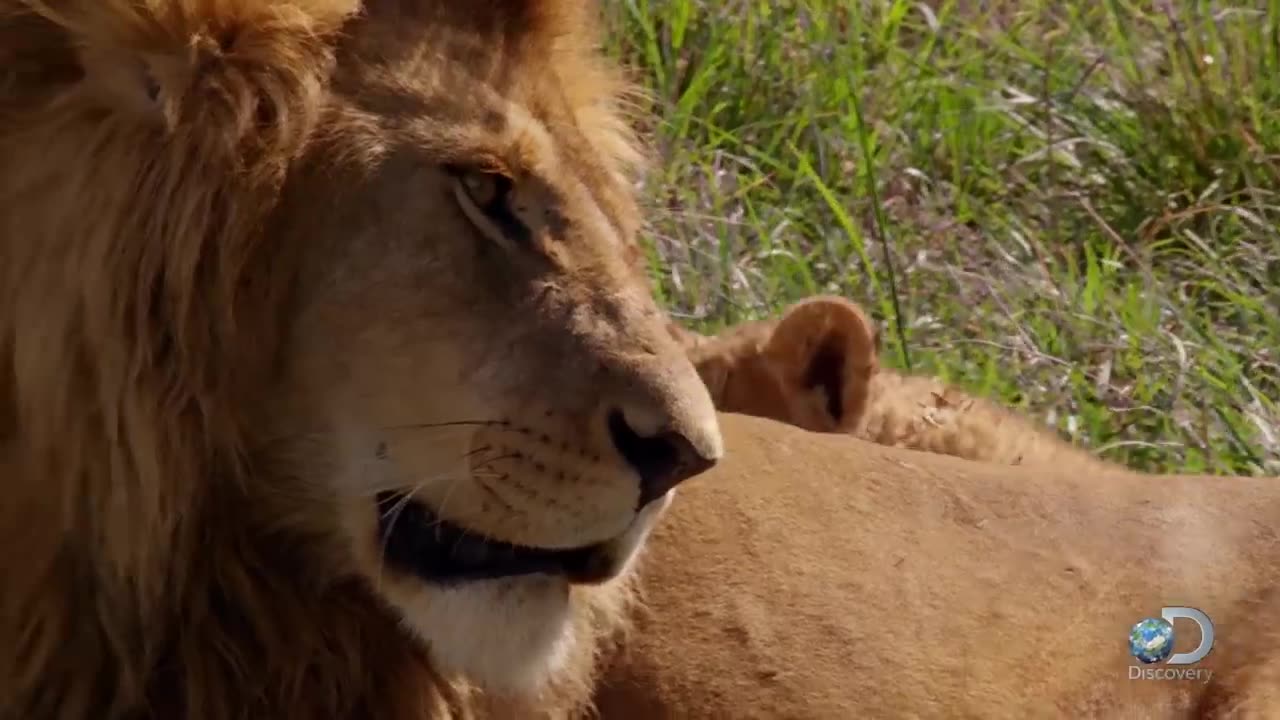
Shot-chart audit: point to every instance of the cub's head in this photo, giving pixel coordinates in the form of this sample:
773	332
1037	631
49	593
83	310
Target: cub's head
358	271
810	367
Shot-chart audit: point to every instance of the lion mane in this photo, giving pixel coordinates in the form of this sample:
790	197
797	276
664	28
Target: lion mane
817	366
142	576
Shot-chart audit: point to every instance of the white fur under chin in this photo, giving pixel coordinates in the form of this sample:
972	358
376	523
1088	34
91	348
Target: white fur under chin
512	635
508	635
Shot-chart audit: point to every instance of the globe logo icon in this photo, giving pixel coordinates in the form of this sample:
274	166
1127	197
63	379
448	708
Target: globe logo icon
1151	640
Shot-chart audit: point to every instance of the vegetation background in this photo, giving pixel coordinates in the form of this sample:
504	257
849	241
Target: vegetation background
1074	204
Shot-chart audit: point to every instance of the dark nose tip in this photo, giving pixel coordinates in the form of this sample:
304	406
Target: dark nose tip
662	461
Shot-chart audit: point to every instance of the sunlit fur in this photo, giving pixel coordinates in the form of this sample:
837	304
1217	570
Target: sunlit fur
238	298
819	576
790	367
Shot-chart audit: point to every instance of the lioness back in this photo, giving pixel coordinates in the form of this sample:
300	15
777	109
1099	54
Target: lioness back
823	577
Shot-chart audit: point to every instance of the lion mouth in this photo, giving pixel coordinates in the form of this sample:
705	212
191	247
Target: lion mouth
416	540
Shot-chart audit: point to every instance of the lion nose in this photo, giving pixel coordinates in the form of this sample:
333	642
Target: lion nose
662	459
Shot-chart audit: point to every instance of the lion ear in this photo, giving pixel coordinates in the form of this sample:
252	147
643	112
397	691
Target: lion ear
714	371
824	351
707	354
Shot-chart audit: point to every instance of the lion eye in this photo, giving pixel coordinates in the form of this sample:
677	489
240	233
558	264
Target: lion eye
485	196
488	190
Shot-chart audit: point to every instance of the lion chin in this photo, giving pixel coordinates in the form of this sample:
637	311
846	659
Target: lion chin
330	386
505	616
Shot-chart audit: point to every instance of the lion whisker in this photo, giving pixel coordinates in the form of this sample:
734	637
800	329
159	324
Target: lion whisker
441	425
480	474
371	487
492	493
495	495
489	461
319	434
391	516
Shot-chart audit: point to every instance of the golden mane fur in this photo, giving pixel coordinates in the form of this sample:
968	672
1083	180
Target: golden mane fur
817	366
824	577
191	191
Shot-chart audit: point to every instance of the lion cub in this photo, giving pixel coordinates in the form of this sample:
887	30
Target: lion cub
816	366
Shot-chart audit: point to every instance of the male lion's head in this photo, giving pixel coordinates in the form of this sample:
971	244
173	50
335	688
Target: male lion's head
341	291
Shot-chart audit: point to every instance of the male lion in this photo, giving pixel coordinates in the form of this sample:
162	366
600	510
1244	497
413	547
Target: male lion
326	390
817	366
813	576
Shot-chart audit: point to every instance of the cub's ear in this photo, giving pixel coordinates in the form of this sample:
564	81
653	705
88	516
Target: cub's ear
714	370
824	352
707	355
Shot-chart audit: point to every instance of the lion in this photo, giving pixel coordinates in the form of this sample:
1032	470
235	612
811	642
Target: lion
326	389
816	576
817	366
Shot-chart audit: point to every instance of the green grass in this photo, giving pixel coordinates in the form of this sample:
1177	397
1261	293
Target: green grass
1080	200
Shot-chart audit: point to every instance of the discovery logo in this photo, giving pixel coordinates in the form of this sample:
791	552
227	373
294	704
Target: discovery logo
1151	642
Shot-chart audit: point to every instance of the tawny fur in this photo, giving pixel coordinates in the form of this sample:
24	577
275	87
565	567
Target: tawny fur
171	168
825	349
824	577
